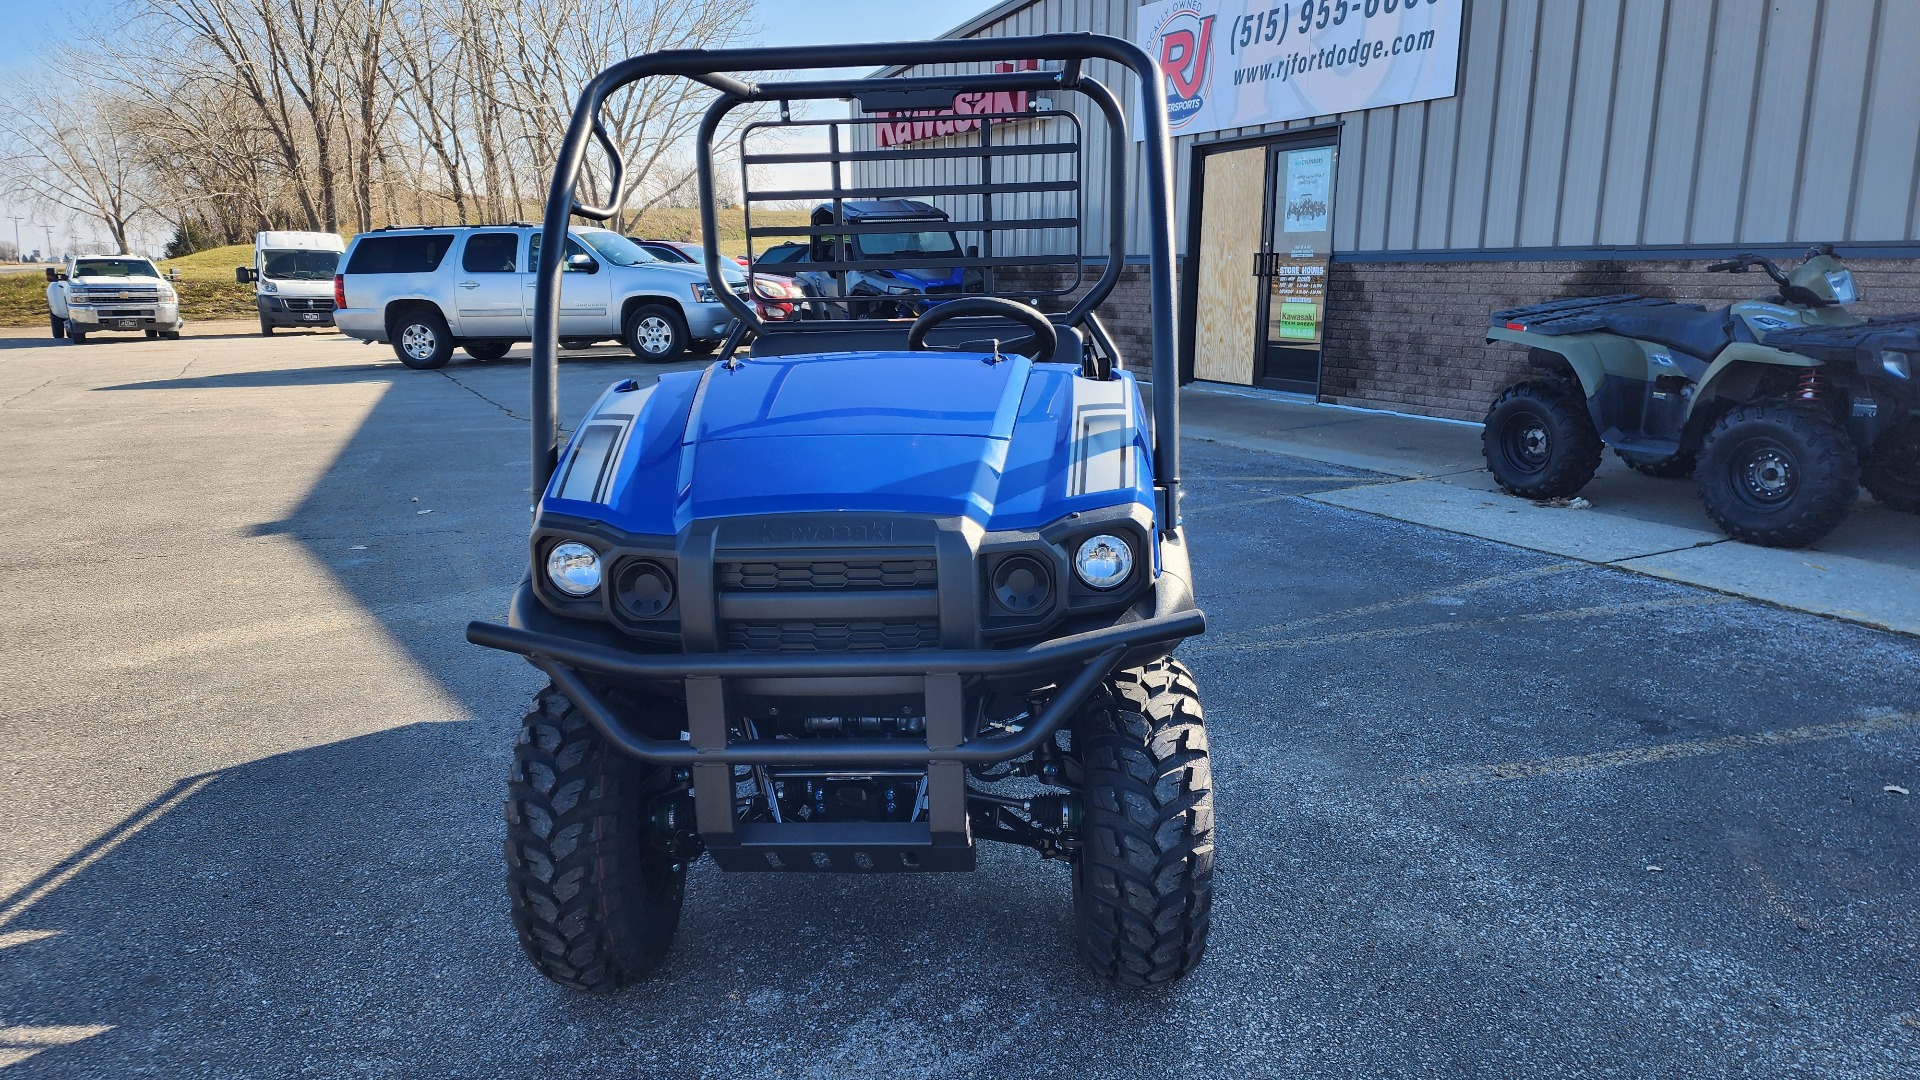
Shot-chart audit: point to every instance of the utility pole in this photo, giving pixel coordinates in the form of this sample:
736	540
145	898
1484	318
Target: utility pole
49	252
18	254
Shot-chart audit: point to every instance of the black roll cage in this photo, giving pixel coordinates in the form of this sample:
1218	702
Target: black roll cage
710	68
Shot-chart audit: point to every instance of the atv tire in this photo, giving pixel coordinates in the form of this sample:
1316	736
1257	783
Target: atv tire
1539	442
1777	476
1143	877
421	339
1672	467
594	899
1893	473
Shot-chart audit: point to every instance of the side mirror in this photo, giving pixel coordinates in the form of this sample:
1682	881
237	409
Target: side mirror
54	275
244	275
581	263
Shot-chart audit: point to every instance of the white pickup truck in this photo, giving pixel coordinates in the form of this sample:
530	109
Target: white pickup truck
110	292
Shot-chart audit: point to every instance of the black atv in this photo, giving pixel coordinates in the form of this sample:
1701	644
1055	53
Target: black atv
1780	407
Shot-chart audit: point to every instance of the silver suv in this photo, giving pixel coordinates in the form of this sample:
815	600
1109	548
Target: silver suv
427	290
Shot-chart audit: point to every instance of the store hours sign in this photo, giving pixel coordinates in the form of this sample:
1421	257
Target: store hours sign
1240	63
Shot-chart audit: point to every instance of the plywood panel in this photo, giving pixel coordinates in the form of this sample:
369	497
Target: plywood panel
1233	196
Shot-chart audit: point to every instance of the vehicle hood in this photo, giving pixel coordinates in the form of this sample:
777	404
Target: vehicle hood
696	272
300	287
922	279
1007	443
91	282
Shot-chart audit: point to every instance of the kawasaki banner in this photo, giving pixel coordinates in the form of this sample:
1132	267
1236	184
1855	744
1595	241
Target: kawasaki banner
1239	63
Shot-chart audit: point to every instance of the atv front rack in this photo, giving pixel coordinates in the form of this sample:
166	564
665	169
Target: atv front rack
1861	341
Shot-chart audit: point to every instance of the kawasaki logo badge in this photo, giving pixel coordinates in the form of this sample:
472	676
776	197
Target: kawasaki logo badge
874	530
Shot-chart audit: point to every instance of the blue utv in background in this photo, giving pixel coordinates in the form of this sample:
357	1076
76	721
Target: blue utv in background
901	281
881	587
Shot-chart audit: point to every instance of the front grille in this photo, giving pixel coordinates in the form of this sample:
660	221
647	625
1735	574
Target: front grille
852	636
807	574
135	295
125	313
309	303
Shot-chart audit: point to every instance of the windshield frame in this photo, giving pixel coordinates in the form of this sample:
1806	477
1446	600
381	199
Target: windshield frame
952	250
269	253
131	266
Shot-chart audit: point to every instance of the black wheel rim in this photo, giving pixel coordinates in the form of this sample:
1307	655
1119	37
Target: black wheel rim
1763	474
1526	443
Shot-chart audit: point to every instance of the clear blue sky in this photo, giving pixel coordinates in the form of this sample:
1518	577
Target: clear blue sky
28	27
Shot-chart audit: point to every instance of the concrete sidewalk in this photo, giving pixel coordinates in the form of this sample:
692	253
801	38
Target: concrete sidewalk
1867	571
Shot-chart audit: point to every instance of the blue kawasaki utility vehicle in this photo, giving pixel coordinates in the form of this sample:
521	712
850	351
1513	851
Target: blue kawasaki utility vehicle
876	589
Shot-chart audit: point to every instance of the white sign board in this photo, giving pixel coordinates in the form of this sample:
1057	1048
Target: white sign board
1240	63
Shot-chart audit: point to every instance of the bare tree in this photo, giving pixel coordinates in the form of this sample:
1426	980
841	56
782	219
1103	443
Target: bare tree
66	148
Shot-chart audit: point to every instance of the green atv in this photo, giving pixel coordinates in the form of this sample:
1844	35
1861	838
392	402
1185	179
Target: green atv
1780	408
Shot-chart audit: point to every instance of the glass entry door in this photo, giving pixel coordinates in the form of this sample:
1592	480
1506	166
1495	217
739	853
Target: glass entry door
1292	265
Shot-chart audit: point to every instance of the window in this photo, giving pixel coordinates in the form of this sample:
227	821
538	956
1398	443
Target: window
419	253
574	247
780	253
299	264
491	253
896	245
614	248
114	268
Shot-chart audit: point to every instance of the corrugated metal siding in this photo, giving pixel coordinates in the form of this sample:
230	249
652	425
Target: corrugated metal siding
1606	122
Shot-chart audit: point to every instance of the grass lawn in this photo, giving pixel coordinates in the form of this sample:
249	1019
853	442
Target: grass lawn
208	291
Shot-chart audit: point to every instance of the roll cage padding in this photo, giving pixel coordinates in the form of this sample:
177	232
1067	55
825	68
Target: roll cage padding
711	68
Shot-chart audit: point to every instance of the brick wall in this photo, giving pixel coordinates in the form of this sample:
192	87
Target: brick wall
1125	313
1411	336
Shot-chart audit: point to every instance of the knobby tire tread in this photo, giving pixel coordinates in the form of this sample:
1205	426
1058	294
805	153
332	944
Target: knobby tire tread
1143	882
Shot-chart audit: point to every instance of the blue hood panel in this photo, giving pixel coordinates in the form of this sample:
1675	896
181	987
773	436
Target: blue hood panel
1011	445
908	393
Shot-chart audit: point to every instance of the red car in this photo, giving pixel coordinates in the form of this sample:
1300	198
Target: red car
775	298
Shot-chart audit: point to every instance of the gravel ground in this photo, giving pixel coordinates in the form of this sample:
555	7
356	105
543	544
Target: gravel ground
1481	811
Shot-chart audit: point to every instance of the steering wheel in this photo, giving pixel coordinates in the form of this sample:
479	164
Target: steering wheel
1044	341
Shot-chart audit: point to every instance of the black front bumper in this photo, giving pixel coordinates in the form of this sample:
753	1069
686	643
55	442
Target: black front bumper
1076	664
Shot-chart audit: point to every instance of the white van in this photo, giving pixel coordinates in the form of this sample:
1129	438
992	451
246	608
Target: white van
292	276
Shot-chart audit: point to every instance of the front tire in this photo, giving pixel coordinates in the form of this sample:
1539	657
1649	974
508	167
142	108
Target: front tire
1672	467
1143	878
420	339
78	337
1777	476
1893	473
487	350
595	902
655	334
266	328
58	325
1539	442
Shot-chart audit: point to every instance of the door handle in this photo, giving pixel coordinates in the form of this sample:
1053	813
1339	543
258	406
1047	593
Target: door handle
469	284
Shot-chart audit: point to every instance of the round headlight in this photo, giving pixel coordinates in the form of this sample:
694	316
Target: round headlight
1103	561
574	568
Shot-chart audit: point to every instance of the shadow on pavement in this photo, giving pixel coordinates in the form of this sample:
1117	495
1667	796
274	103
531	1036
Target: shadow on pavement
339	909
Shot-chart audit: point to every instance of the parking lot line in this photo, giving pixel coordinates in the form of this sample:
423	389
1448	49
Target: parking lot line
1651	755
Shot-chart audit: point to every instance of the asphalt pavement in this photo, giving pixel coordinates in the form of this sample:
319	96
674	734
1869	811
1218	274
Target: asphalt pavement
1481	809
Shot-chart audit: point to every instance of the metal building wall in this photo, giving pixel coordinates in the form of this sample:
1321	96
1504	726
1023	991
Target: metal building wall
1609	123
